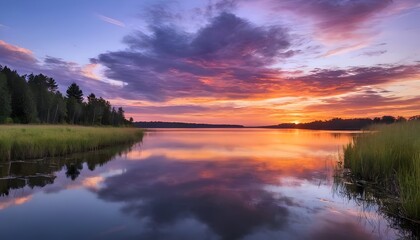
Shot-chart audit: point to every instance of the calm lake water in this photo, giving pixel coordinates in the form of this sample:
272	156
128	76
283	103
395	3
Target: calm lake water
190	184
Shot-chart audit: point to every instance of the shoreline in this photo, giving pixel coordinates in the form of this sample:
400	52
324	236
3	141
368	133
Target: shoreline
23	142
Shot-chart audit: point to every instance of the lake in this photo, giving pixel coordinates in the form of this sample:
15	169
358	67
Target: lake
191	184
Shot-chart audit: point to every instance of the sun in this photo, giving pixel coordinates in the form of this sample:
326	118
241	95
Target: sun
296	122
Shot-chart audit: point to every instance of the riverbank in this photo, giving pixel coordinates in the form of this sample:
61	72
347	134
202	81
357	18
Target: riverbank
18	142
389	157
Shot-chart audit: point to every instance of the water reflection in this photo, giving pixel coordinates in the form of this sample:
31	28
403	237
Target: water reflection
368	197
201	184
228	198
39	173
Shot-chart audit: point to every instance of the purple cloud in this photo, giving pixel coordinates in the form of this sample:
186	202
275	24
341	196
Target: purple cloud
220	58
177	109
369	103
374	53
323	82
337	19
16	56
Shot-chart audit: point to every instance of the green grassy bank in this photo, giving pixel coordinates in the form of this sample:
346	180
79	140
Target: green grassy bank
38	141
389	156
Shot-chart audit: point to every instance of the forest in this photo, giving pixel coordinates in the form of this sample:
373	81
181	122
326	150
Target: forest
346	124
35	99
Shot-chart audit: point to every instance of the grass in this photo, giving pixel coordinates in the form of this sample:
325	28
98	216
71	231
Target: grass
18	142
389	155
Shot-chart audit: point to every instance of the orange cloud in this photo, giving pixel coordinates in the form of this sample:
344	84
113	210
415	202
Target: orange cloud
14	48
15	201
88	71
15	55
92	182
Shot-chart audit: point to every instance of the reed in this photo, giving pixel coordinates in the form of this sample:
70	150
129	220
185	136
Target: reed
389	155
18	142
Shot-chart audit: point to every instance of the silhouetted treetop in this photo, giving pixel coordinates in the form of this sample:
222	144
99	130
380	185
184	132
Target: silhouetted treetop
75	92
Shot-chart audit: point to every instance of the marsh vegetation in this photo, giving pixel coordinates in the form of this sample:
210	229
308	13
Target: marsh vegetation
388	156
40	141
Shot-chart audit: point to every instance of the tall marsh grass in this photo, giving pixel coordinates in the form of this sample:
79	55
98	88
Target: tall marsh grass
38	141
389	155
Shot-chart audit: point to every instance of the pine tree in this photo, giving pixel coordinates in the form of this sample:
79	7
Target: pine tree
5	100
74	92
22	102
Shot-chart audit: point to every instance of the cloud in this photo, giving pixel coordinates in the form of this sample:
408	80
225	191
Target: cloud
53	62
342	25
368	103
174	109
223	57
15	55
89	71
345	49
168	11
324	82
333	21
231	58
338	19
112	21
374	53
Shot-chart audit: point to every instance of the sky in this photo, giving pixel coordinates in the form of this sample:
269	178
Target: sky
250	62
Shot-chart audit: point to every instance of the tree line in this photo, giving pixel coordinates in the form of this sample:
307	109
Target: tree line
346	124
36	99
158	124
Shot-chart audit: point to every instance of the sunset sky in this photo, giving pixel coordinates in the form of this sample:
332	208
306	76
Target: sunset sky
250	62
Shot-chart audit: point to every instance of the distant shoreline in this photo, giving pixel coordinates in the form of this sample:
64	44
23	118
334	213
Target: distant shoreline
335	124
183	125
